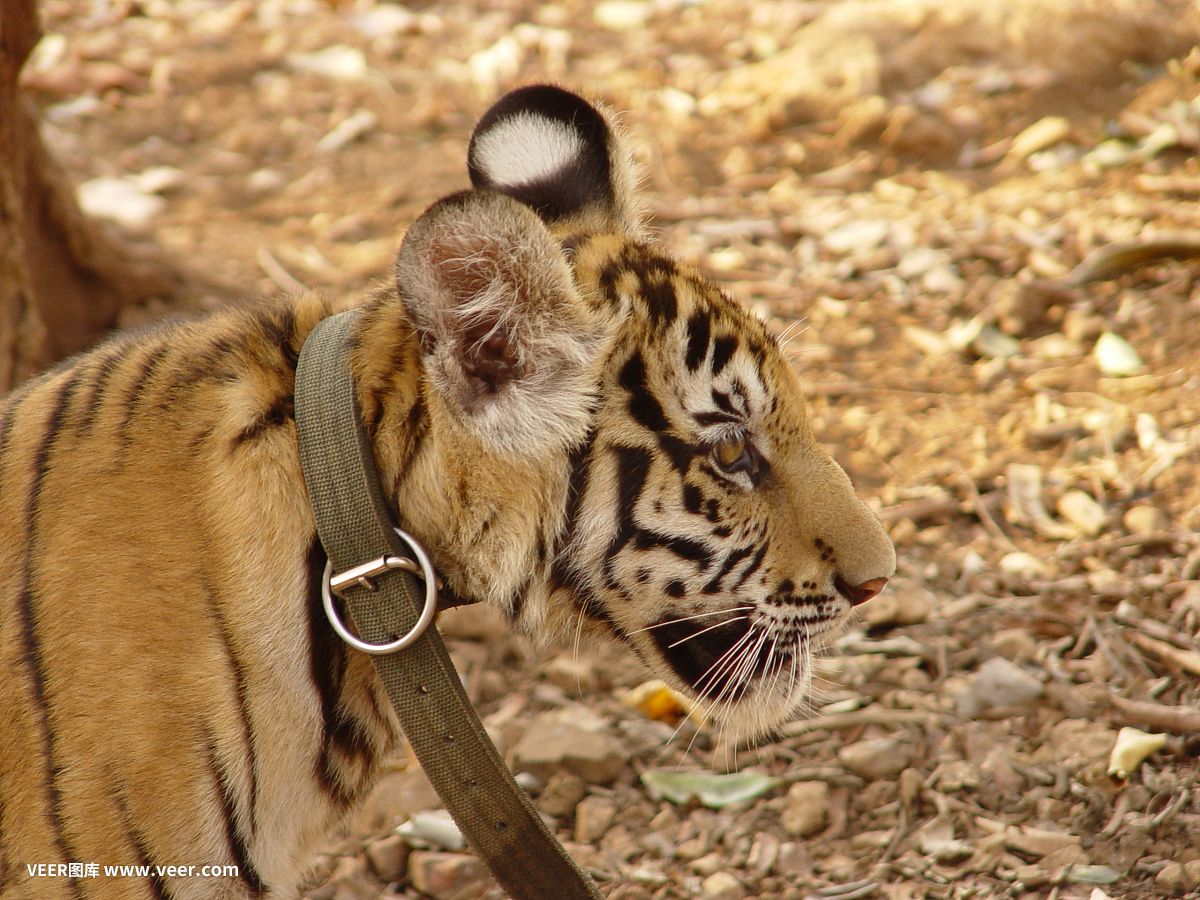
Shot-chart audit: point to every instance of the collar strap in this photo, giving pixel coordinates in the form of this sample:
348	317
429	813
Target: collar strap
356	530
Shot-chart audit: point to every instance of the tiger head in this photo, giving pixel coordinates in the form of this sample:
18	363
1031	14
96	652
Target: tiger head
689	511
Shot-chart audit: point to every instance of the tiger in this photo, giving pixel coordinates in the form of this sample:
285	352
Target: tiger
585	434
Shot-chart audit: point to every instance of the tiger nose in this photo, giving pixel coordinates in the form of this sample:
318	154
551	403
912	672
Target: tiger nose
860	593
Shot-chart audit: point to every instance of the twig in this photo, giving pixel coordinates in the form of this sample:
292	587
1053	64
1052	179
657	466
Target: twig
917	510
277	273
870	716
980	509
1188	660
1176	719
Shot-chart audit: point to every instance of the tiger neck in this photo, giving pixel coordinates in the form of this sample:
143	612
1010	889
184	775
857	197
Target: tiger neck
488	520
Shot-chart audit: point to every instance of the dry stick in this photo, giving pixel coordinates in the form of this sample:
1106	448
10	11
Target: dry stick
869	716
1176	719
1188	660
980	509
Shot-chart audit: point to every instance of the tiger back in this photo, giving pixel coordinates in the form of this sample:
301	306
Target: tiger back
584	433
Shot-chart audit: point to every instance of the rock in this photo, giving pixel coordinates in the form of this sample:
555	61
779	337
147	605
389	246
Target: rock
549	746
593	817
1083	512
857	236
393	800
907	604
763	853
388	857
562	794
1145	519
120	200
806	808
876	758
1023	565
446	875
722	886
573	673
433	830
997	683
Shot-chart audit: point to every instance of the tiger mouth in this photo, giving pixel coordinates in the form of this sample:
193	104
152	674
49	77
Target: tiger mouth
721	662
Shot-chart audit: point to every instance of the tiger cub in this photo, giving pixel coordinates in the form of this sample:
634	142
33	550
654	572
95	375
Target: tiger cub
582	431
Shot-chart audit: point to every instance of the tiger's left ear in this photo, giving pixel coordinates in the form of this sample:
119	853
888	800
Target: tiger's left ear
507	342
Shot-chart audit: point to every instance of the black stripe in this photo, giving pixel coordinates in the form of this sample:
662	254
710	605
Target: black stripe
281	411
132	396
723	348
722	400
685	548
279	328
659	294
342	739
643	406
732	559
712	417
104	371
752	567
238	851
698	333
137	840
27	614
238	669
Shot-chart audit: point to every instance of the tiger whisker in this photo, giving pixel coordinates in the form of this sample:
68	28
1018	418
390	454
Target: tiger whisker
705	631
716	612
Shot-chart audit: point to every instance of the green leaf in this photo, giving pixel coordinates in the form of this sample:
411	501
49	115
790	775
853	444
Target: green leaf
711	789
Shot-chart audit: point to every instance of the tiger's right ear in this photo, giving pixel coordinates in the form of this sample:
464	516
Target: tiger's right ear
507	342
560	156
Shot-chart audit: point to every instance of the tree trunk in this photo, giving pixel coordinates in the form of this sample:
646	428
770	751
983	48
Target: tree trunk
63	277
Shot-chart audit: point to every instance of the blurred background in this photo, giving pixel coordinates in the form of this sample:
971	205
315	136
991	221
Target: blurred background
974	221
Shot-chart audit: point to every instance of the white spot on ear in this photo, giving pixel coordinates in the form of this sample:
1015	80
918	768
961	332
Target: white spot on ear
527	148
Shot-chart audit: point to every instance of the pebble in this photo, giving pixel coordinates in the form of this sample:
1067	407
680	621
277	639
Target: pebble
907	603
875	758
120	200
549	746
562	794
593	817
997	683
1178	878
806	808
1145	519
573	673
446	875
1083	512
722	886
388	857
856	236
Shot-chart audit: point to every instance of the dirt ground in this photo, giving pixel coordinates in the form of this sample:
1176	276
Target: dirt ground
977	222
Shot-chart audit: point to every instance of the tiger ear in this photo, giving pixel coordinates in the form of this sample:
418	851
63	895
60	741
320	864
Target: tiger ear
560	156
507	342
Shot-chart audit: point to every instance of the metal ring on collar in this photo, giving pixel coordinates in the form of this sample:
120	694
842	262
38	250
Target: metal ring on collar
385	563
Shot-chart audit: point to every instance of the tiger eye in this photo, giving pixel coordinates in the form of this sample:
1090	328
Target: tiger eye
729	453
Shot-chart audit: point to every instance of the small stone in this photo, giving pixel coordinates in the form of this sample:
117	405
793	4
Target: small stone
906	604
573	673
593	817
1145	519
1083	512
120	200
709	863
1115	356
722	886
446	875
763	853
388	857
562	794
1040	841
621	15
806	808
860	236
1022	565
549	746
394	799
875	759
998	683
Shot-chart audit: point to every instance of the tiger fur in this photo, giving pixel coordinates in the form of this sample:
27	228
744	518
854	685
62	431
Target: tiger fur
583	432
